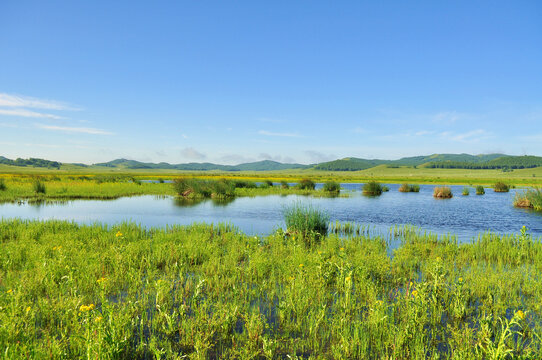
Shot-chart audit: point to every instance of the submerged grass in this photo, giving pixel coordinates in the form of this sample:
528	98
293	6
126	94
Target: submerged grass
442	192
210	292
529	198
501	187
409	188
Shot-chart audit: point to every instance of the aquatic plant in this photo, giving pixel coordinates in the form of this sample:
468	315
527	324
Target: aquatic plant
501	187
306	184
385	188
332	187
466	191
442	192
480	190
284	184
409	188
306	222
39	187
529	198
372	188
191	187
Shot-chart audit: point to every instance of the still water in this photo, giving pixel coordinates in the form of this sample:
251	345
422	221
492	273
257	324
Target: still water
463	216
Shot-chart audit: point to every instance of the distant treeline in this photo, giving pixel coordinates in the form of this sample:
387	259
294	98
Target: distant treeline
506	162
30	162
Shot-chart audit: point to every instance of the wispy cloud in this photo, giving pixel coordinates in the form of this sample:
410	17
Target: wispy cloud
193	154
270	133
28	113
68	129
17	101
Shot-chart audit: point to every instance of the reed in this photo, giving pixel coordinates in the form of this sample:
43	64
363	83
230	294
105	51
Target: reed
332	187
529	198
306	222
372	188
466	191
306	184
442	192
501	187
480	190
409	188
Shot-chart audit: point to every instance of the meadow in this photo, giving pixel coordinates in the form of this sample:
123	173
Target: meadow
211	292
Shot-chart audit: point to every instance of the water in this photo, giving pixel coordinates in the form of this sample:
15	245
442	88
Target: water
464	216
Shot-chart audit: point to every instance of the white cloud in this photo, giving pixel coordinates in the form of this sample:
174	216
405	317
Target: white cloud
68	129
471	136
318	157
28	113
192	154
270	133
7	100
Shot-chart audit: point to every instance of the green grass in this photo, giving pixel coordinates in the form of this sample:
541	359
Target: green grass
409	188
204	291
372	188
306	223
501	187
480	190
529	198
466	191
332	187
442	192
306	184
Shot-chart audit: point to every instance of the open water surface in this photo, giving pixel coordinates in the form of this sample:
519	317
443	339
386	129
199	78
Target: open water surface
463	216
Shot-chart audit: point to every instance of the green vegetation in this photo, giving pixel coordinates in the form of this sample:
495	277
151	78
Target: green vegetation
480	190
466	191
529	198
306	223
332	187
372	188
385	188
442	192
3	186
199	188
204	291
503	162
30	162
284	184
39	187
409	188
501	187
306	184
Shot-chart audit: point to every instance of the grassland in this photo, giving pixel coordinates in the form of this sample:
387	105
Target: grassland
210	292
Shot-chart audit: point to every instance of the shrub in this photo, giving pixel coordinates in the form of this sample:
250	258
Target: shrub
239	184
284	184
269	183
466	191
501	187
39	187
409	188
308	223
442	192
3	185
306	184
372	188
480	190
332	187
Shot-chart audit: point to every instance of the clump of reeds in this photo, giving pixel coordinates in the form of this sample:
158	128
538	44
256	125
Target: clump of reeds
466	191
266	184
409	188
332	187
385	188
372	188
284	184
39	187
3	185
501	187
306	222
442	192
188	187
244	184
306	184
480	190
530	198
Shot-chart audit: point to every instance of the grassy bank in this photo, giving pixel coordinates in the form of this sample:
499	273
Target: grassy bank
70	291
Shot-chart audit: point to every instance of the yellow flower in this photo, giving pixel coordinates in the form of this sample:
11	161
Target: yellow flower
84	308
342	249
410	284
415	293
319	252
98	319
118	234
291	278
460	279
301	265
520	314
101	280
9	291
347	279
27	309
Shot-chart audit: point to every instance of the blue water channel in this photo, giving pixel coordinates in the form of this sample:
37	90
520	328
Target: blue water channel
463	216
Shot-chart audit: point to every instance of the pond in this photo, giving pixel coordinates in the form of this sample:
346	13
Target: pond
463	216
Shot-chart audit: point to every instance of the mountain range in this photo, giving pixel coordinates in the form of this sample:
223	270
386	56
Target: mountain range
463	161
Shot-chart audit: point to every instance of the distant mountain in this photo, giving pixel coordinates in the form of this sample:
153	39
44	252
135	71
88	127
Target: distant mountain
264	165
349	164
419	160
503	162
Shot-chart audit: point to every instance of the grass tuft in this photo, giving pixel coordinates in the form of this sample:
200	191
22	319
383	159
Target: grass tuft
501	187
372	188
409	188
466	191
442	192
332	187
480	190
530	198
39	187
3	185
306	184
306	222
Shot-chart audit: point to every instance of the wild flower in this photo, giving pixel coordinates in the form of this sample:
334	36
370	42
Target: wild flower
520	314
101	280
9	291
118	234
98	319
415	293
301	265
27	309
84	308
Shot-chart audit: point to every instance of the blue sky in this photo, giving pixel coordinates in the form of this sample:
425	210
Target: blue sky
293	81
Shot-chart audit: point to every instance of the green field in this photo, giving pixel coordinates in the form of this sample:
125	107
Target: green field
210	292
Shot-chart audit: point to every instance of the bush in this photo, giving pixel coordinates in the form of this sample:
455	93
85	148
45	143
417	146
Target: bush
3	185
306	184
372	188
466	191
442	192
480	190
306	222
409	188
332	187
39	187
501	187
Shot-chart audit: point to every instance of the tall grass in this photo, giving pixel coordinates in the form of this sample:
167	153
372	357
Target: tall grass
306	184
501	187
466	191
442	192
332	187
306	222
39	187
372	188
409	188
480	190
191	187
284	184
3	185
210	292
530	198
